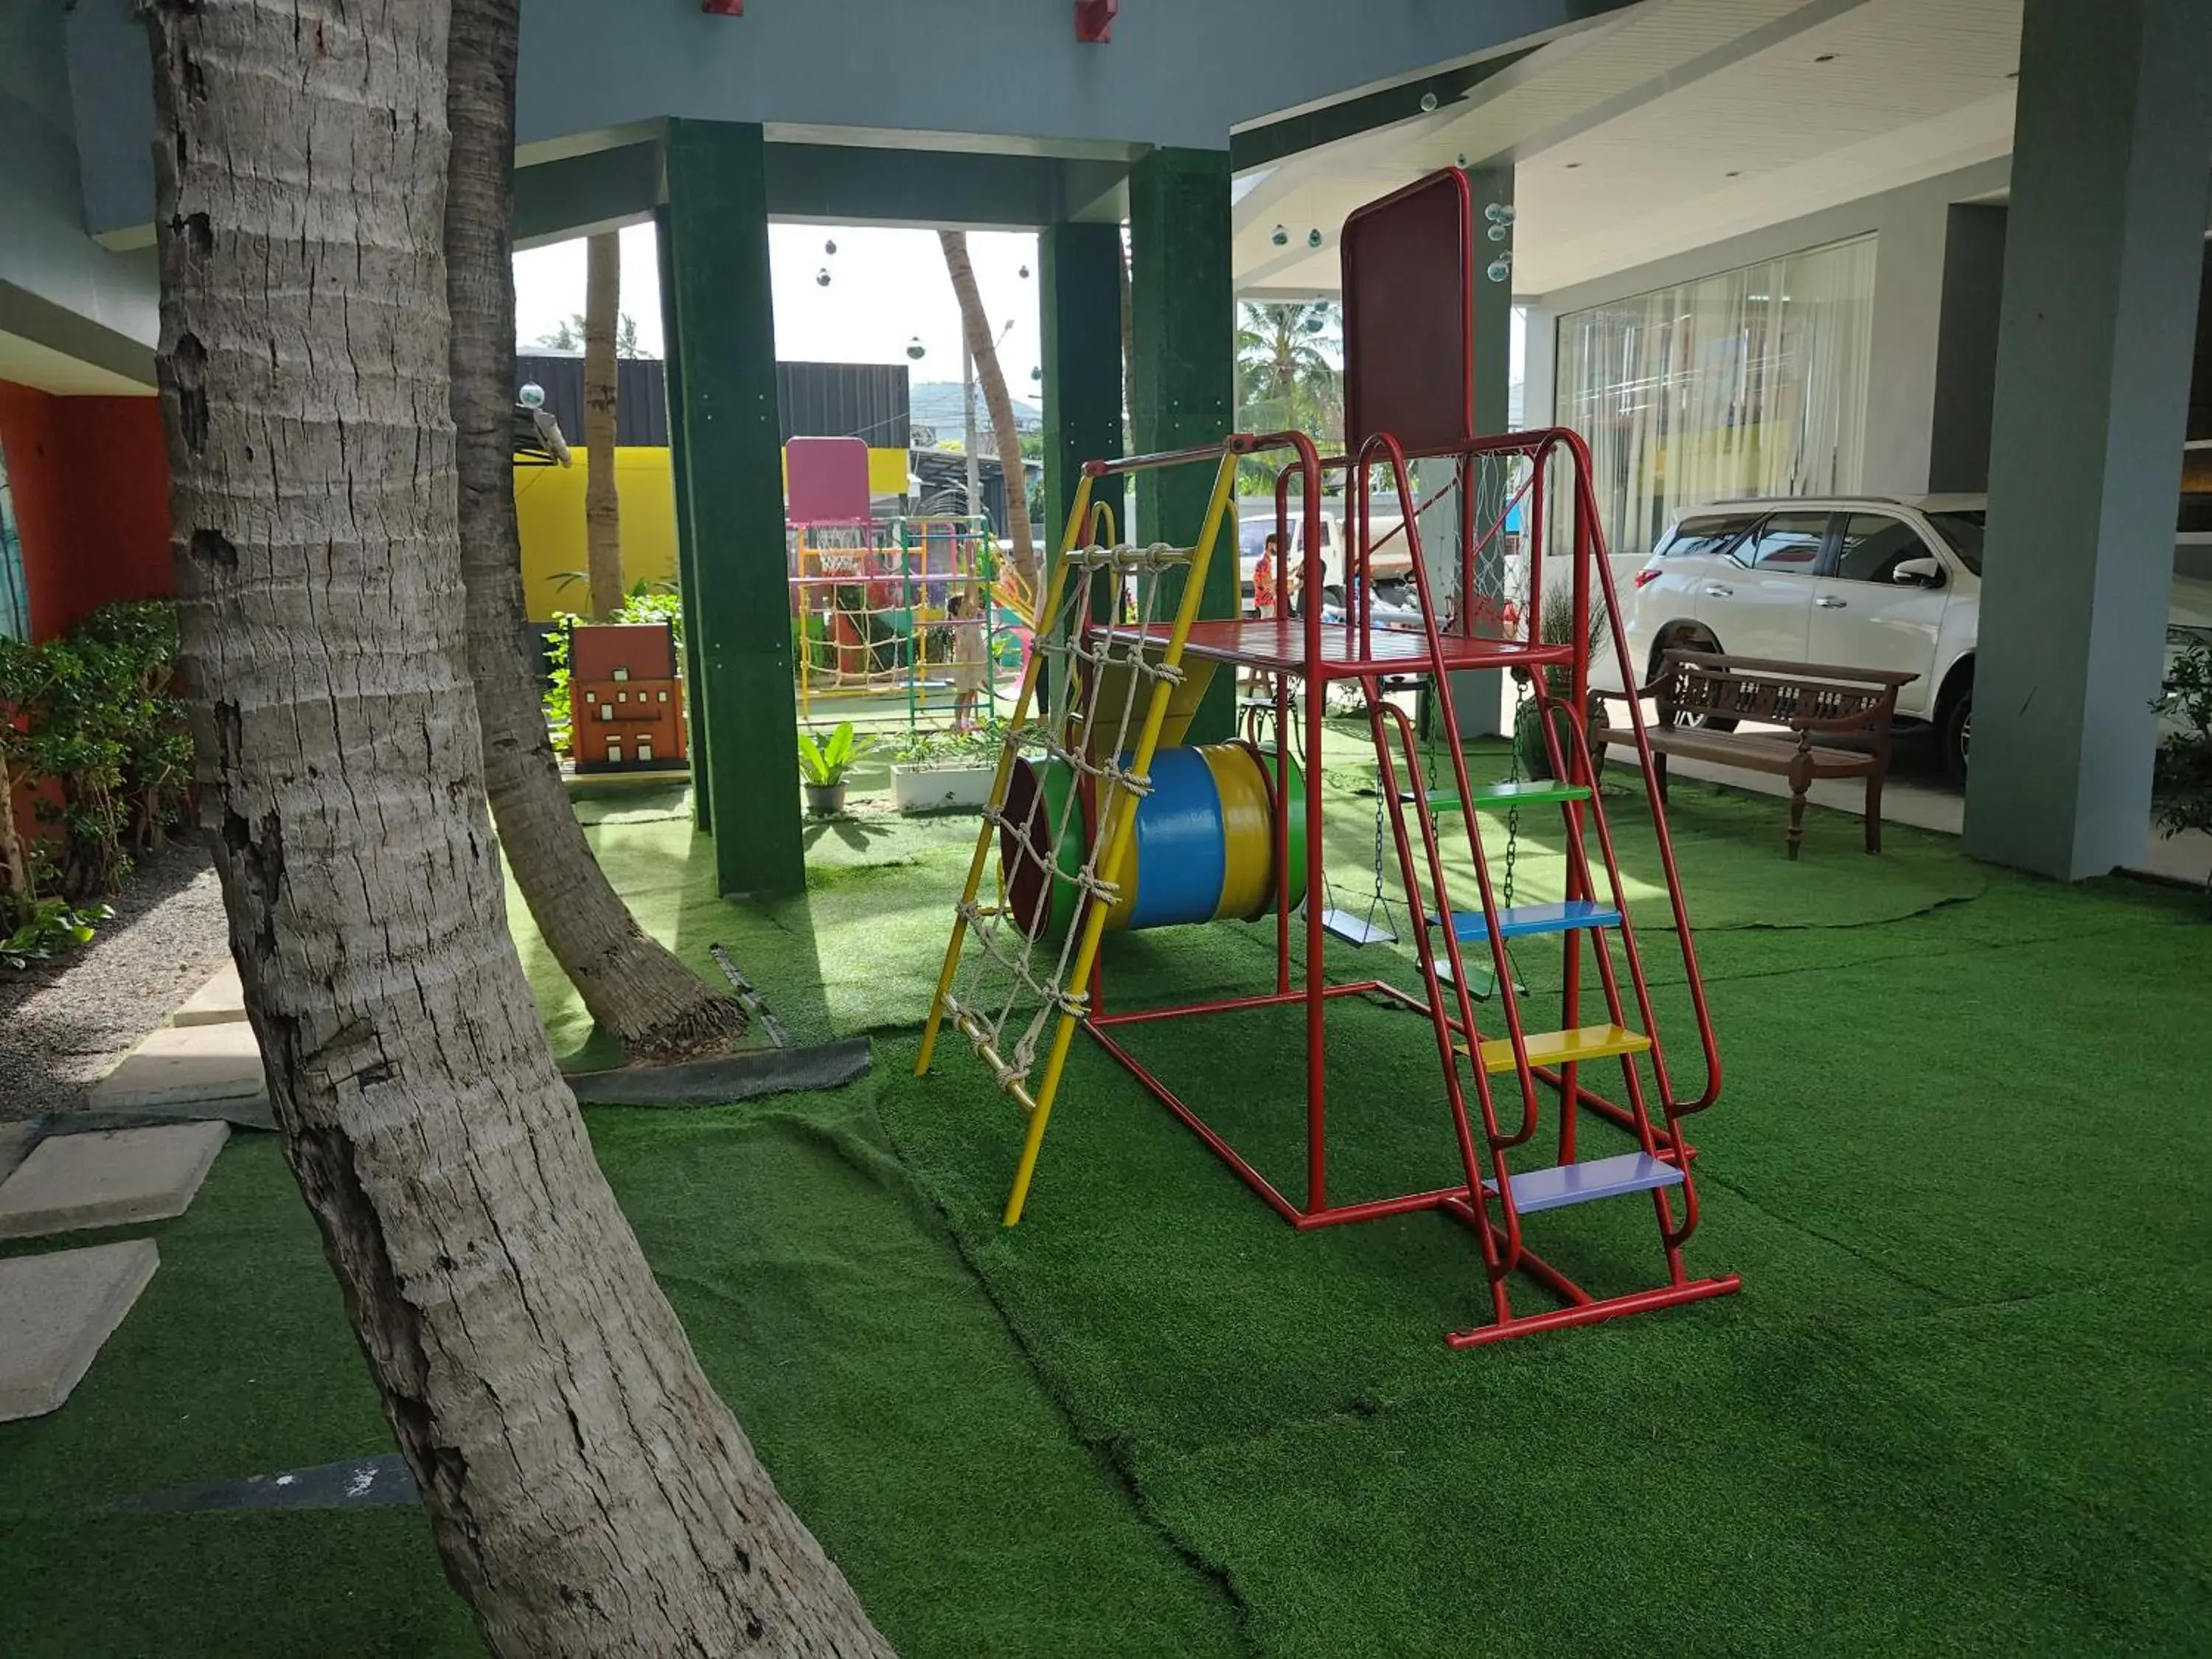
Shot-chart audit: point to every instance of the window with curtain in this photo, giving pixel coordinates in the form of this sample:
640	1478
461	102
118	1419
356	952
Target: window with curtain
1750	383
14	595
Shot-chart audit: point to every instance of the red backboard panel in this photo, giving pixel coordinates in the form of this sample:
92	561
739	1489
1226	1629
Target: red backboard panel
826	480
1409	315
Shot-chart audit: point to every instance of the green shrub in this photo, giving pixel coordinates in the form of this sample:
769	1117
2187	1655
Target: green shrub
94	715
2184	759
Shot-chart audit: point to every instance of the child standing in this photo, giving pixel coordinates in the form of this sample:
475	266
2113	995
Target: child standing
969	658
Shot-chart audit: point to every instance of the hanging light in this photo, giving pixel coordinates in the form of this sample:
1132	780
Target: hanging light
830	247
1428	103
1462	158
1313	239
1036	374
1280	237
821	277
1498	233
1026	273
1499	213
916	350
1500	268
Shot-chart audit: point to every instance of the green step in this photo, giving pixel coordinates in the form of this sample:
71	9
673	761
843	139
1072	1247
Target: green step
1531	793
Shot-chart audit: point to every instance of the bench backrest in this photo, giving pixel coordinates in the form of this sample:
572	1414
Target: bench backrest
1696	683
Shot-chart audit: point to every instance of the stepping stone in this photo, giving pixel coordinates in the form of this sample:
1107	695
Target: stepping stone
109	1179
221	1001
55	1310
183	1065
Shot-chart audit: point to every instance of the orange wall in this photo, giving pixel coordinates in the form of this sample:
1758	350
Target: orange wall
90	478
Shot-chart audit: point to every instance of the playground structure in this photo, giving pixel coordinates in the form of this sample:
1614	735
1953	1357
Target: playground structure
874	640
1096	802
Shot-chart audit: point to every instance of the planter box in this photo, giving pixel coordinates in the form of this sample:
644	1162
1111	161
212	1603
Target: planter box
941	788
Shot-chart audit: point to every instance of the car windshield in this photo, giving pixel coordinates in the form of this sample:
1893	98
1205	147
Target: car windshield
1963	531
1252	534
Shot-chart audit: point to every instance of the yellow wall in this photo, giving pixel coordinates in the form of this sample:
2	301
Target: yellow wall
549	505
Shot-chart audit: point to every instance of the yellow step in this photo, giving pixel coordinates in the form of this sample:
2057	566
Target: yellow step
1558	1048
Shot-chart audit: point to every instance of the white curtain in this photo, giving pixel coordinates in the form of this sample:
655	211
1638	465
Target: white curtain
1750	383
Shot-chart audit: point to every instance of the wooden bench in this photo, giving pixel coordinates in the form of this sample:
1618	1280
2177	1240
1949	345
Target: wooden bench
1811	699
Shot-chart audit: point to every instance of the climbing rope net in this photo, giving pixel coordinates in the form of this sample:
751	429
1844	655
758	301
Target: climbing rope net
1019	960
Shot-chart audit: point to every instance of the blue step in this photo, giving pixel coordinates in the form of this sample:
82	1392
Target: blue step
1524	920
1578	1183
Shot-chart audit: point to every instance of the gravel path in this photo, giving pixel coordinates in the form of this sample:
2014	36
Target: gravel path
62	1026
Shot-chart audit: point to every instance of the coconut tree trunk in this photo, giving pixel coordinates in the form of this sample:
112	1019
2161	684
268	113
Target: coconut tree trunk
602	502
634	987
587	1492
977	327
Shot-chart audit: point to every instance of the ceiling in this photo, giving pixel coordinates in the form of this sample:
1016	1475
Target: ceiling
1678	123
28	363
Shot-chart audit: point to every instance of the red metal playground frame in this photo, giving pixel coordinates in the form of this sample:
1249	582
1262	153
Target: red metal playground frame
1317	654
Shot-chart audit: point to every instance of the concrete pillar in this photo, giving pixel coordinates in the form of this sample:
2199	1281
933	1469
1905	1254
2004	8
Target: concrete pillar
687	569
1183	303
1966	349
2104	246
737	595
1082	292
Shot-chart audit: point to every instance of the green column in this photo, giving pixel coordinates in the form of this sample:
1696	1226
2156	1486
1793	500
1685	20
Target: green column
739	598
1183	369
1081	265
687	553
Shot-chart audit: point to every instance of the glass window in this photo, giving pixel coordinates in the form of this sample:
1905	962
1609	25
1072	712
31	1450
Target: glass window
1751	383
1788	543
14	594
1715	533
1874	545
1964	531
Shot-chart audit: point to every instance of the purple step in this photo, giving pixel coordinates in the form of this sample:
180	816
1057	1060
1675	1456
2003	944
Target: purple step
1563	1184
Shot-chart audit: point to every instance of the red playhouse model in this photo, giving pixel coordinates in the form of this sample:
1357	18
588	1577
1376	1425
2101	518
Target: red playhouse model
625	698
1409	294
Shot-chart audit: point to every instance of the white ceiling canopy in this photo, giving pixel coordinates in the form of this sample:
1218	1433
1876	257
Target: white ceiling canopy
1678	123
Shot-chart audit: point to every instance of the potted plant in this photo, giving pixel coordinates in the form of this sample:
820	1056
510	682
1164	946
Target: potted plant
946	771
1556	626
824	766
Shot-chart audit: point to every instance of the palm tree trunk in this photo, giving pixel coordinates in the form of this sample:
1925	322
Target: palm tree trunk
587	1492
636	989
602	503
977	327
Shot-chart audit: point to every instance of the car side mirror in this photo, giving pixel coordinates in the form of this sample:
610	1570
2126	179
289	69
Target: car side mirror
1918	572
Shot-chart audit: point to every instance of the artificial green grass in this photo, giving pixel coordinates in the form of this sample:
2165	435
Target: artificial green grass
1960	1160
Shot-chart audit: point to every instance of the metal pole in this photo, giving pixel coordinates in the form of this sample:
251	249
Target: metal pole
967	429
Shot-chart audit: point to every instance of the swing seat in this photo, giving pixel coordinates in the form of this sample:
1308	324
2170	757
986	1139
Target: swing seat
1531	793
1519	922
1357	931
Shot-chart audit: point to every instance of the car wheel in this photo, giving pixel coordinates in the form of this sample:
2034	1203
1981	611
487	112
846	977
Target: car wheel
1956	728
1695	642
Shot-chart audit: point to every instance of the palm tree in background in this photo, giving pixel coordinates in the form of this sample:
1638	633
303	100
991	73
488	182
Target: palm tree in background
1287	375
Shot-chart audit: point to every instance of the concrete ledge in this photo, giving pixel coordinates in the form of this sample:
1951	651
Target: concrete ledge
221	1001
73	1181
176	1064
56	1310
16	1140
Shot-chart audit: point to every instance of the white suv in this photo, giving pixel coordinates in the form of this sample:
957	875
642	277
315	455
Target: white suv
1856	581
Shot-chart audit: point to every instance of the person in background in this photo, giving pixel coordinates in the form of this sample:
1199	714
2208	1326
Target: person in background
1263	578
963	620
